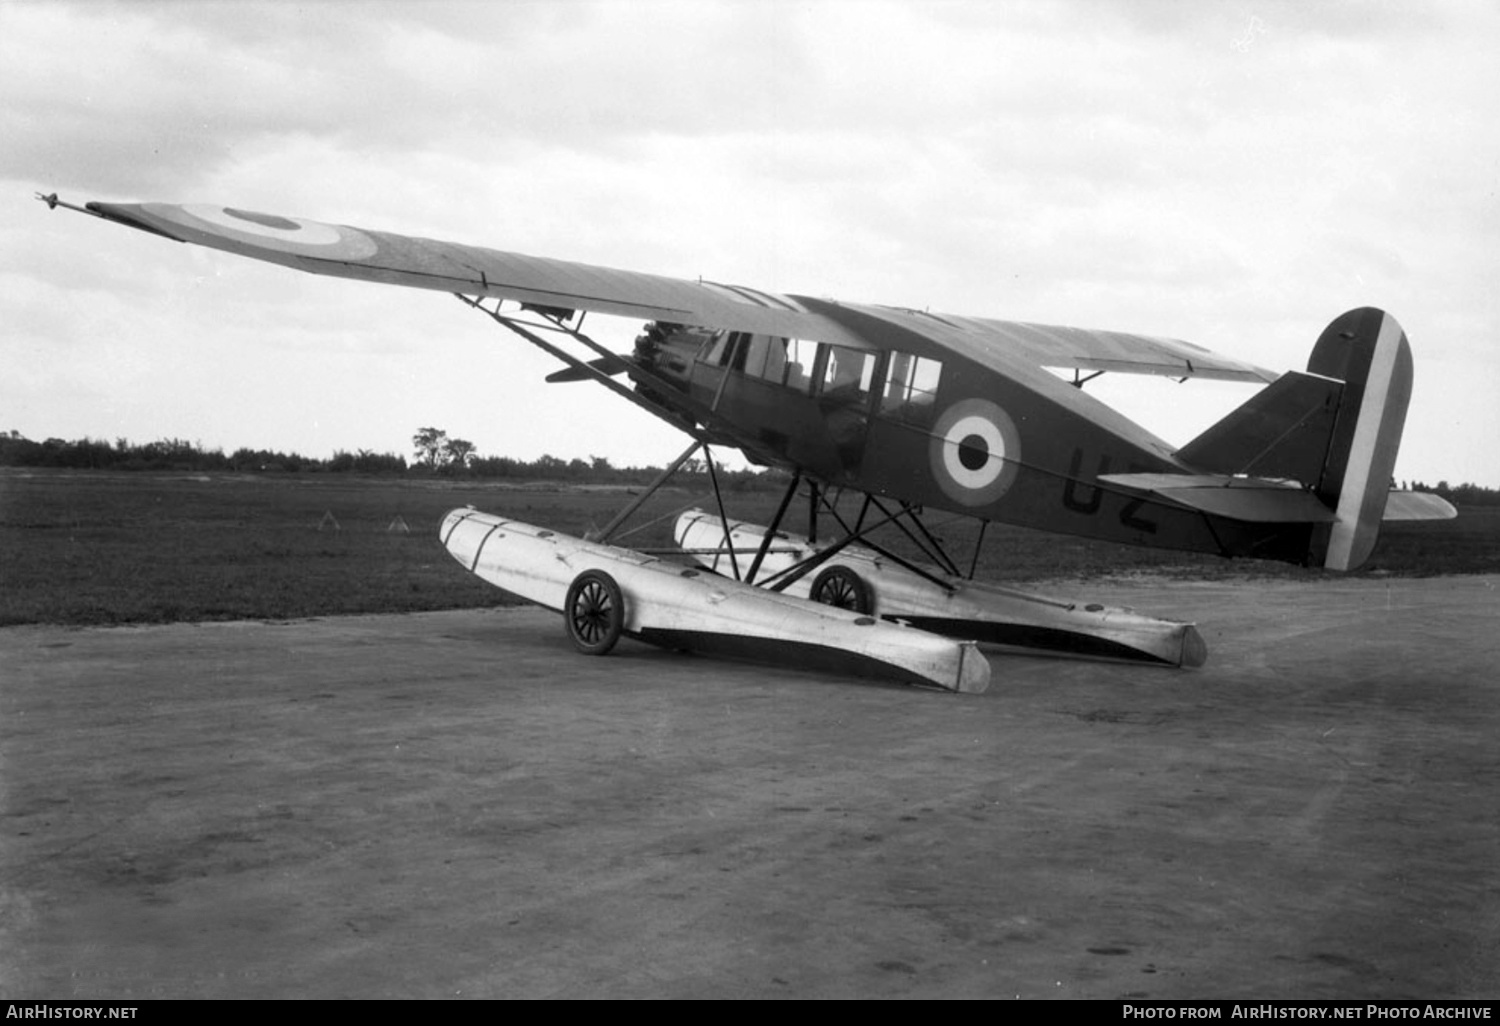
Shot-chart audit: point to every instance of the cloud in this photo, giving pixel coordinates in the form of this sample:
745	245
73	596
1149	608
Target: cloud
1232	175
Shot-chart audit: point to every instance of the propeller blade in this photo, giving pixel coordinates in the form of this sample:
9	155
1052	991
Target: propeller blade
610	365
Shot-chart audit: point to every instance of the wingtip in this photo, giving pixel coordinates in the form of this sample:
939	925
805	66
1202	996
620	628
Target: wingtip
53	202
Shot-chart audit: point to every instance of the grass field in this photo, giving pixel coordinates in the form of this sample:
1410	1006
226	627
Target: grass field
112	548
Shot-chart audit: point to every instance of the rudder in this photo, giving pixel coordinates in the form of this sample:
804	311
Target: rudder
1368	351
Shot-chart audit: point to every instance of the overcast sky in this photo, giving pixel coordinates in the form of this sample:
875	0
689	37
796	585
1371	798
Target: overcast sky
1234	174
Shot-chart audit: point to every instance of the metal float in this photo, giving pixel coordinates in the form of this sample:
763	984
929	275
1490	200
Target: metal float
860	579
605	592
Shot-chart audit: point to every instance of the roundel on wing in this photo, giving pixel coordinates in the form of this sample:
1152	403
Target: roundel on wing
975	452
293	235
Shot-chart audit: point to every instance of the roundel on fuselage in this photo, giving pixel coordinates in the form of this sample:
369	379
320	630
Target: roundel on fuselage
975	452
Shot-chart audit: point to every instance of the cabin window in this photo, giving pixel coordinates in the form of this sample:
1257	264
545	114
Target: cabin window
801	355
781	361
911	385
765	357
792	362
847	374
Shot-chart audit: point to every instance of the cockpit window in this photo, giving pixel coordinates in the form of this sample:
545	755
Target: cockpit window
808	367
715	353
781	361
764	357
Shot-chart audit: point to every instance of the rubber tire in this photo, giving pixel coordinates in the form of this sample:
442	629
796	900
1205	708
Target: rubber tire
842	588
594	612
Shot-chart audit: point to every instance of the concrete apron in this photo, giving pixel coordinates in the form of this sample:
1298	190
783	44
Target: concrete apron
457	805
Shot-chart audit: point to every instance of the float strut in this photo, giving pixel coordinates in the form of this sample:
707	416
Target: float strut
765	542
713	476
614	525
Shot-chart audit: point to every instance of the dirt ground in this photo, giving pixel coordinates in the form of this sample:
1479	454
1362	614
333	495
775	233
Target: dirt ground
457	805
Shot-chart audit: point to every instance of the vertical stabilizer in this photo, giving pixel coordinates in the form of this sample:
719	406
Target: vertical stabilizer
1312	453
1368	351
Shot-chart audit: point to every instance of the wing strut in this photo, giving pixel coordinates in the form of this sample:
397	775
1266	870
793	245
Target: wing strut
704	425
583	369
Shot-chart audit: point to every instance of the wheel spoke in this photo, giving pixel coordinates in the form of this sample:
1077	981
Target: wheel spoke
591	612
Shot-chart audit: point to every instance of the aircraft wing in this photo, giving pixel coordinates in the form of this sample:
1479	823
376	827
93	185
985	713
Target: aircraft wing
552	285
1086	349
562	286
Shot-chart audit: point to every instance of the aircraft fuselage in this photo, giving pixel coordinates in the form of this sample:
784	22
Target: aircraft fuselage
911	416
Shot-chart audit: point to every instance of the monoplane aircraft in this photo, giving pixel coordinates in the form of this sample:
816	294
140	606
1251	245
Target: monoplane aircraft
914	411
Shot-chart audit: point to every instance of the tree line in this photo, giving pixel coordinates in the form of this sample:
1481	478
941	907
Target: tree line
1461	495
435	454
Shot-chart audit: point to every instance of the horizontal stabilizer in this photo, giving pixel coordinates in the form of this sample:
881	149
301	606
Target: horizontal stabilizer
1258	500
1417	506
1269	500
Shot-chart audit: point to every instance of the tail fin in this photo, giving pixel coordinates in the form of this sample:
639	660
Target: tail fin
1283	431
1336	429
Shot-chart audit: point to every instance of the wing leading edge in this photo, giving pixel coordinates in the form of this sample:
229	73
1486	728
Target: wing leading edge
389	258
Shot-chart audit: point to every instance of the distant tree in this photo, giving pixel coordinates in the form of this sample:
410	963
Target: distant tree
429	443
457	452
16	450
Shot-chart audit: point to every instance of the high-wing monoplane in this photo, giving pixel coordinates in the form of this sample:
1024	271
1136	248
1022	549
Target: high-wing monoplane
914	411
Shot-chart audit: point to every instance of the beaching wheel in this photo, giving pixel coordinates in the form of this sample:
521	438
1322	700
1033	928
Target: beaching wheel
594	612
842	588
